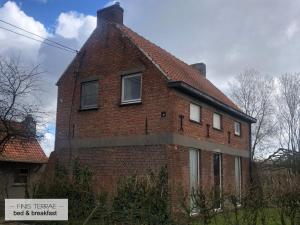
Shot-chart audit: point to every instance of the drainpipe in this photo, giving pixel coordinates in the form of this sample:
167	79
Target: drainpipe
250	155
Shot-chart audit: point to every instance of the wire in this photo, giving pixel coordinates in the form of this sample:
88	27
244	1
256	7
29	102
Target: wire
65	49
64	46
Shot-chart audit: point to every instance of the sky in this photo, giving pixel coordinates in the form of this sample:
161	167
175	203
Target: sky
229	36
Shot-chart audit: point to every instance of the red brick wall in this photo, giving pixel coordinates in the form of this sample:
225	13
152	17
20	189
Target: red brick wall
110	164
182	107
104	61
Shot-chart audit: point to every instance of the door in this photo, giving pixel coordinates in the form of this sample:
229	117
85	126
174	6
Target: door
194	172
217	170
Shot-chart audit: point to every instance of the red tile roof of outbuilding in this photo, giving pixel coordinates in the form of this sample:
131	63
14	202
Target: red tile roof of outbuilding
173	68
21	150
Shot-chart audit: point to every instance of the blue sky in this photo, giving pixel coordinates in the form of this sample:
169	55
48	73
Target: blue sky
47	11
229	36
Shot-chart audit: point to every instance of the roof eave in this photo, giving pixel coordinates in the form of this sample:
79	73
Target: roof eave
188	89
24	161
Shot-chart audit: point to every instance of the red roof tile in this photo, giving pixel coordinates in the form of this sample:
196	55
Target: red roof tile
18	150
173	68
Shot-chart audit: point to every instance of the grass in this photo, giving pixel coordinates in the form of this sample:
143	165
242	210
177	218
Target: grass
264	217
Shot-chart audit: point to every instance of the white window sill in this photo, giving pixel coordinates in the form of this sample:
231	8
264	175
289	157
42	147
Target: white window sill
131	102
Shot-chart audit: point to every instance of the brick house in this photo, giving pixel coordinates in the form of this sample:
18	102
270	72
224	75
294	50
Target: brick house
126	105
22	162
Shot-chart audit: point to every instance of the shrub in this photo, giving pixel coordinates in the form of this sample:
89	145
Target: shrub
142	200
77	188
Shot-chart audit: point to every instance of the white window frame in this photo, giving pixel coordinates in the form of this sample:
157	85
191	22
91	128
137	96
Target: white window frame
198	120
235	126
220	116
132	100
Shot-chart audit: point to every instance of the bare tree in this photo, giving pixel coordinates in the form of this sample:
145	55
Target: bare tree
288	113
18	87
253	92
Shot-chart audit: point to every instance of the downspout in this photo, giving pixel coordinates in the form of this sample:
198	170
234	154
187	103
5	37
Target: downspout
250	155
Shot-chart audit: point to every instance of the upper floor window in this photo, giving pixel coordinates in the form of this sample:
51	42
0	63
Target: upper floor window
217	121
131	88
89	95
195	113
237	128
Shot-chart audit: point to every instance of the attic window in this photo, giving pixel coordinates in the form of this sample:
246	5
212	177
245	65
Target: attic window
89	95
132	88
21	176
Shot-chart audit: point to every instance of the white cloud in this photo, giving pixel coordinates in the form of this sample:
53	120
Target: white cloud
72	30
112	2
75	25
228	36
10	43
292	29
47	143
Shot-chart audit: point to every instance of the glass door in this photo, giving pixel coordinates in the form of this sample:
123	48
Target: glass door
194	173
217	169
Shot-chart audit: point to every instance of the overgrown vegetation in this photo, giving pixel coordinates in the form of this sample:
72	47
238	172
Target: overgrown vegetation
137	200
142	200
272	199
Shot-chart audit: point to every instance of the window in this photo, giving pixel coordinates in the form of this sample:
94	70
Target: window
238	178
217	121
89	95
194	156
237	128
131	88
21	176
195	113
217	169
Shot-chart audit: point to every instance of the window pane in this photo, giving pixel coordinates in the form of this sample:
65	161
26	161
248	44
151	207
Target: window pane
238	175
217	121
195	112
217	169
194	178
132	88
237	128
194	175
89	94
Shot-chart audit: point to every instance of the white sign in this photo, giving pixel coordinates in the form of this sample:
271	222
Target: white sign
36	209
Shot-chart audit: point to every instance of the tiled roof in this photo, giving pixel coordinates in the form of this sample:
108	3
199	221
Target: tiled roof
18	150
173	68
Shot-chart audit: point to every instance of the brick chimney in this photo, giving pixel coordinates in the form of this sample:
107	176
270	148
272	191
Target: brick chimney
113	13
201	67
30	125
